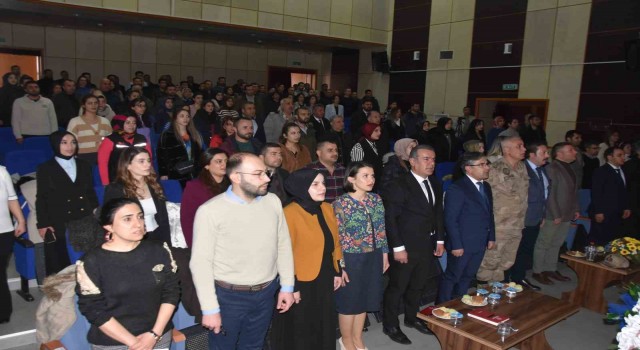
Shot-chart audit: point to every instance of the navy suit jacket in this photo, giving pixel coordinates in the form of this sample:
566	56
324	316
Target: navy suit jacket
467	219
535	200
608	193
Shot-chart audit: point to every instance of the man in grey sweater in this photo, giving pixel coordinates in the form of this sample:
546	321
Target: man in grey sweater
241	244
33	114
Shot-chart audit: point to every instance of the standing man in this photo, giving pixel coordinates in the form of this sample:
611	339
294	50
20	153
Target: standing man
415	231
275	120
237	256
534	131
498	127
537	155
271	155
307	132
320	124
343	140
575	139
609	198
510	185
562	207
359	118
468	218
412	119
591	162
327	152
66	104
33	114
248	110
242	140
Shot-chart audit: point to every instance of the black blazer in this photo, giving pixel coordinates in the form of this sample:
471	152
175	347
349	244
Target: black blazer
58	199
172	151
320	128
410	218
163	232
608	193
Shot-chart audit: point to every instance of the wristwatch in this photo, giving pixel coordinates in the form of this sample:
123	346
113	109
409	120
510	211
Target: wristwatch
155	336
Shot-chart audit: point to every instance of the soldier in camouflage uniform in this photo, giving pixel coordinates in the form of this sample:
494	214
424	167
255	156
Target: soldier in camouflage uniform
510	185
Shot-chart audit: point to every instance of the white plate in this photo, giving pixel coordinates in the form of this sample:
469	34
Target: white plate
448	317
483	304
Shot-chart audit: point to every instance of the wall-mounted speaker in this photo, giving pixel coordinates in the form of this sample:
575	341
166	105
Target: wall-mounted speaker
380	62
632	54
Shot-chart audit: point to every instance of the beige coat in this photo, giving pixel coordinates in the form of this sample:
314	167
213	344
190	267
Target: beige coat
57	312
29	190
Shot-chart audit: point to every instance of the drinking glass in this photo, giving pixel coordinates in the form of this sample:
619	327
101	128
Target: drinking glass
504	329
497	287
511	293
456	319
493	299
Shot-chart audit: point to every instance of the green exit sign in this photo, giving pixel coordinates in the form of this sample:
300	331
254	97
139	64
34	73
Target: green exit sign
509	87
296	63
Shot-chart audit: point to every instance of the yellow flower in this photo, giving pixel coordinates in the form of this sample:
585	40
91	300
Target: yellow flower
614	249
624	252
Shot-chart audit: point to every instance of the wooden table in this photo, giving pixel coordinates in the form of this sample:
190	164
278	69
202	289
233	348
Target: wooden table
593	278
531	313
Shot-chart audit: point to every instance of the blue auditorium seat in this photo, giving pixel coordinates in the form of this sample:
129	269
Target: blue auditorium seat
99	193
39	143
7	142
584	198
24	161
96	176
172	190
444	169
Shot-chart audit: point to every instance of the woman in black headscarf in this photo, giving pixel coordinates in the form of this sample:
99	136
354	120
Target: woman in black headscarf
65	193
9	92
311	323
443	139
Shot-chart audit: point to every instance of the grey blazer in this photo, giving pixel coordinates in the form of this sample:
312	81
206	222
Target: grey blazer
563	195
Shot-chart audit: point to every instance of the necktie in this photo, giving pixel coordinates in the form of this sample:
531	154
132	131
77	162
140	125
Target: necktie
482	193
620	174
539	171
429	194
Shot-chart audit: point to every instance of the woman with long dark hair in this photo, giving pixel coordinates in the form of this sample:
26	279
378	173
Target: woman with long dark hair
207	121
211	181
179	149
9	92
475	131
294	154
228	109
127	287
123	136
65	193
136	179
443	139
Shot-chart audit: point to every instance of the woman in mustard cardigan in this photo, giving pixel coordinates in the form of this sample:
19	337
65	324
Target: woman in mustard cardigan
311	323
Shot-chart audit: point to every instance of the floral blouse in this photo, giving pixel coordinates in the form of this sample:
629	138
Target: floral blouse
357	221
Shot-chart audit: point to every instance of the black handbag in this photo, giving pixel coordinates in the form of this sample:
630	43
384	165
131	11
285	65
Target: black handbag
184	167
197	338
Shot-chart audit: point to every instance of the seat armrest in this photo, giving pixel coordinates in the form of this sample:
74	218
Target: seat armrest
177	336
25	242
52	345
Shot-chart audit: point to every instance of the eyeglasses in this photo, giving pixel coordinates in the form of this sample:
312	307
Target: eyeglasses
480	165
260	174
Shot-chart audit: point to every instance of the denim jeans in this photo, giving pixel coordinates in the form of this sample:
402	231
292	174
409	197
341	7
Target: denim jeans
245	318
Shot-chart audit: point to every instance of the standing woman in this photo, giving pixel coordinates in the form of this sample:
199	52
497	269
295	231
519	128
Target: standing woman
138	109
197	103
65	193
310	323
611	139
228	109
366	150
9	92
136	180
218	101
8	205
360	216
334	108
206	121
211	181
395	126
294	155
398	164
443	139
225	130
475	131
123	136
90	129
127	287
179	148
83	87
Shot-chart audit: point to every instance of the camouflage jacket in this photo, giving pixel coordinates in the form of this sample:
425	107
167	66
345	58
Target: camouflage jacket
510	189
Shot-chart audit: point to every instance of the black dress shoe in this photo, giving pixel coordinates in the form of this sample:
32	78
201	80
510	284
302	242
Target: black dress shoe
529	285
419	326
396	335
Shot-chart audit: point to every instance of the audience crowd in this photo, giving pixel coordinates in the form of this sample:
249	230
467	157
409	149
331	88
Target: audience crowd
302	210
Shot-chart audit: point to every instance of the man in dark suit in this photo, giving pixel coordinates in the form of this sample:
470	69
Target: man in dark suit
562	207
415	231
539	182
468	218
359	118
609	198
320	124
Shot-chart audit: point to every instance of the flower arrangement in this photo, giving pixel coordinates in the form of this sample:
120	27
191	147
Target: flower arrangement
627	247
629	336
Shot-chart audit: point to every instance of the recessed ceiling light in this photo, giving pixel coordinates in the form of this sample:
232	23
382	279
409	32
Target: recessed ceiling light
100	24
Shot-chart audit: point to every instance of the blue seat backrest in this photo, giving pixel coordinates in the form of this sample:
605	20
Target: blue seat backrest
444	169
584	196
39	143
24	161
